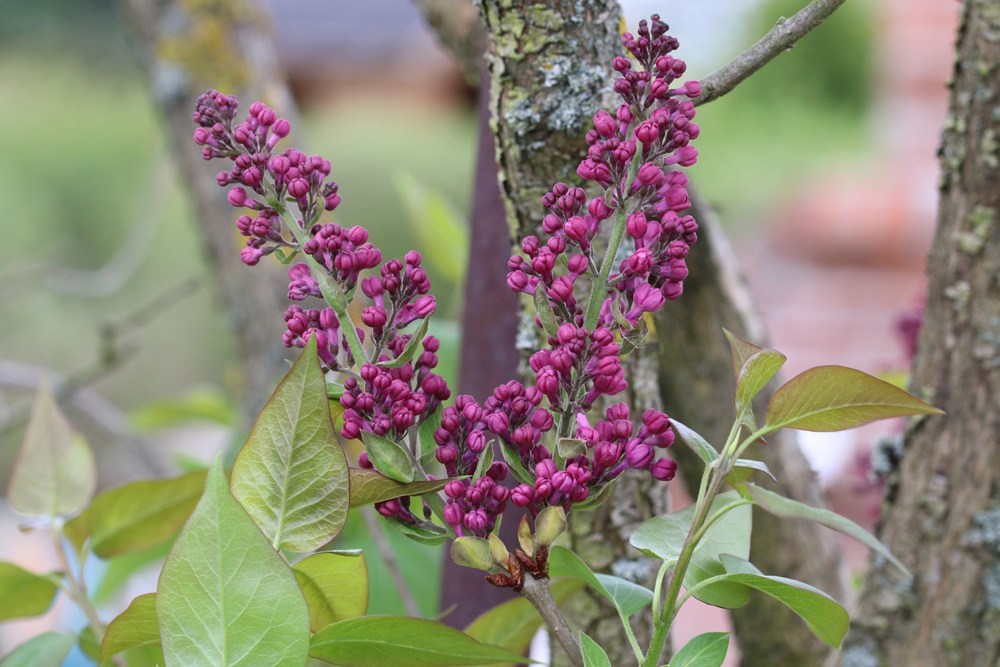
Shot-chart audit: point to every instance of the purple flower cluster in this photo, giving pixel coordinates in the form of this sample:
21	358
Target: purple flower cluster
393	400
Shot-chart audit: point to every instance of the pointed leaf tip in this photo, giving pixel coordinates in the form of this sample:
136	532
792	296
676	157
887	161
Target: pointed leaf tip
835	398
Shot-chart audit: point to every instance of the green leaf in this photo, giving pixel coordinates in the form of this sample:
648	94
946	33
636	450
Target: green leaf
628	597
786	507
706	452
369	487
834	398
335	586
54	472
753	367
139	515
121	569
225	596
411	348
824	615
389	457
743	470
568	448
513	624
599	498
517	468
543	308
485	461
392	641
291	475
705	650
24	593
89	645
425	438
134	627
205	405
663	536
593	654
442	230
48	649
427	533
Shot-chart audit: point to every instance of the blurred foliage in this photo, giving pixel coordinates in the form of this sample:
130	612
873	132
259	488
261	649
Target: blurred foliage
830	68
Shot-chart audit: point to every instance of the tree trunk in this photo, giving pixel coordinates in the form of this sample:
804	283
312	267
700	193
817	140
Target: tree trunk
943	510
186	47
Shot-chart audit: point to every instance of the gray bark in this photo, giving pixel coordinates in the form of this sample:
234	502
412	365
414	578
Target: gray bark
182	58
942	517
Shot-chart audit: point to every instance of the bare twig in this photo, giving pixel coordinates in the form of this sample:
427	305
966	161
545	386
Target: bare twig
538	593
391	564
780	38
111	356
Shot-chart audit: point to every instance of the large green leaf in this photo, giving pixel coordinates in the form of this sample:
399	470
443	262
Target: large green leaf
628	597
54	472
393	641
291	475
834	398
513	624
225	595
24	593
335	586
369	487
389	457
786	507
138	515
824	615
663	536
134	627
48	649
593	654
705	650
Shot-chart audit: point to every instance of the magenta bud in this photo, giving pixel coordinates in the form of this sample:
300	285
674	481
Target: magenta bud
298	188
664	469
237	196
281	128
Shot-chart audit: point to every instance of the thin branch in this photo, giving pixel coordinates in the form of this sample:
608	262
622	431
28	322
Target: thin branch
538	593
779	39
391	564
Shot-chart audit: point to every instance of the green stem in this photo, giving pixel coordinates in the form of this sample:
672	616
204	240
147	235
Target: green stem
631	637
76	587
600	285
327	286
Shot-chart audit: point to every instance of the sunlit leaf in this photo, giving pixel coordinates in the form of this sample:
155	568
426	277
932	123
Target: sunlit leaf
139	515
824	615
199	405
54	471
786	507
628	597
335	586
834	398
411	348
393	641
543	308
705	650
48	649
442	230
225	596
25	594
134	627
291	475
425	438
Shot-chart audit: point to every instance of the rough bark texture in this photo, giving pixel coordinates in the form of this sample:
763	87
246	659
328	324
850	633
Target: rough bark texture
943	513
186	47
697	386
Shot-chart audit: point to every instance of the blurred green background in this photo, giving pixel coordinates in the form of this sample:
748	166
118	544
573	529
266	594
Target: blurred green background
93	223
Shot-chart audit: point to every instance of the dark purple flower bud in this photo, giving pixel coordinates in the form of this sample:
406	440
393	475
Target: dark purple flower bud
455	489
522	495
299	187
650	174
648	298
497	422
664	469
453	514
605	124
476	520
237	196
655	421
545	469
251	256
639	455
